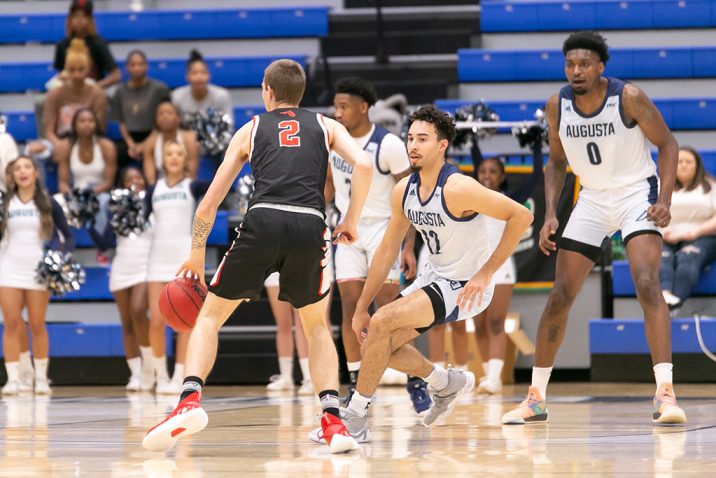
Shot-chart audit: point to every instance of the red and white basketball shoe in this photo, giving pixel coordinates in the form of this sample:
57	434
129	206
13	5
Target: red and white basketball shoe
336	434
187	418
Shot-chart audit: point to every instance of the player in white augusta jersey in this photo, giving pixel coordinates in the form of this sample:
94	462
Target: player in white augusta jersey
386	151
601	126
444	206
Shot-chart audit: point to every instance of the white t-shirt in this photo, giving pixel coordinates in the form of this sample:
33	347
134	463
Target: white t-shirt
8	152
689	209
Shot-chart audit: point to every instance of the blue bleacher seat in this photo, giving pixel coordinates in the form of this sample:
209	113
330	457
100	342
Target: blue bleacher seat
570	15
229	72
477	65
679	113
626	336
175	24
76	339
623	286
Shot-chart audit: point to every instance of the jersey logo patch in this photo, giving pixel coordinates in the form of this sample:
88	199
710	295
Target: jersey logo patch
289	113
455	285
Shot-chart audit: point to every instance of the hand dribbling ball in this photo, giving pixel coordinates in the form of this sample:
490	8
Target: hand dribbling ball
180	302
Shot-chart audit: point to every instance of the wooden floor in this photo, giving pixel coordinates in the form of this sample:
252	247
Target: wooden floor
594	430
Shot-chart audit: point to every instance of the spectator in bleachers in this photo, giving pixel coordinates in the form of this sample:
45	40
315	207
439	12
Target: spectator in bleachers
690	238
32	220
8	152
80	24
90	161
64	101
200	95
135	104
167	128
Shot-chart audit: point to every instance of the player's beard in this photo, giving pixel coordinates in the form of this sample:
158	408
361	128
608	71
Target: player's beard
416	168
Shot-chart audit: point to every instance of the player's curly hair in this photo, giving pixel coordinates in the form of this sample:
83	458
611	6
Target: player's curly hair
356	86
444	123
587	40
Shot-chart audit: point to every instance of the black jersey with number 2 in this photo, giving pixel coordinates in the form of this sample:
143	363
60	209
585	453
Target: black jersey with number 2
289	158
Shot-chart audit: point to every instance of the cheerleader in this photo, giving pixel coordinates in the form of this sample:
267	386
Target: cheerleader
168	128
172	200
29	219
490	324
128	284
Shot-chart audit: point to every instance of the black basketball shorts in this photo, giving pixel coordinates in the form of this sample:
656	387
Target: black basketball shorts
268	240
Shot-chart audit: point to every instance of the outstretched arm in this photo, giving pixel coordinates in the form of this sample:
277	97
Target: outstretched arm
383	259
236	155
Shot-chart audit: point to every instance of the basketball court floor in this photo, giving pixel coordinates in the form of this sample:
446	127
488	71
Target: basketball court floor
594	430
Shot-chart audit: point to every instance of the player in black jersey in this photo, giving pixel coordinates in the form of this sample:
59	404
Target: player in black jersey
284	230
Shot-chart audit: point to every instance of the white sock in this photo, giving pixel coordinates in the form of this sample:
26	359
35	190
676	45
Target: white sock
540	378
160	366
41	368
441	364
462	367
494	369
146	353
359	404
13	371
353	366
663	373
178	373
25	361
135	366
305	370
285	366
438	378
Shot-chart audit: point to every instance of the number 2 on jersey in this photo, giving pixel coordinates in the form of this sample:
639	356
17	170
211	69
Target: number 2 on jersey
288	137
434	248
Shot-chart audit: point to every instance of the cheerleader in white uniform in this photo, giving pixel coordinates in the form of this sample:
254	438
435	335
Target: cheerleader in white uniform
490	324
128	284
172	200
30	218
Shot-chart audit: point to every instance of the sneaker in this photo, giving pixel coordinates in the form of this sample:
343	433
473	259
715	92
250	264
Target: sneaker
11	388
336	435
532	409
351	391
460	383
489	386
187	418
42	387
418	390
27	378
148	379
280	383
306	388
168	387
134	384
357	426
665	408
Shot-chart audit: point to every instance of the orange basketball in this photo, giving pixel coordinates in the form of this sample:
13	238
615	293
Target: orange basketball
180	302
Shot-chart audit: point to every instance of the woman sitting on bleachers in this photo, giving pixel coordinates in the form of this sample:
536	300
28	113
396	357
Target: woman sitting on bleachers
166	129
90	162
135	106
690	238
200	95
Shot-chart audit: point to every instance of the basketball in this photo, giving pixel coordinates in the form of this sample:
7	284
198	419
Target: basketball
180	302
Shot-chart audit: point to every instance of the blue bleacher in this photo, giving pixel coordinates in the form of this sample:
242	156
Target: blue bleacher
679	113
96	286
623	286
229	72
76	339
626	336
477	65
21	124
565	15
175	24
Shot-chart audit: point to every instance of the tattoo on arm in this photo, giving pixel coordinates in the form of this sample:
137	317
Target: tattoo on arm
553	333
200	233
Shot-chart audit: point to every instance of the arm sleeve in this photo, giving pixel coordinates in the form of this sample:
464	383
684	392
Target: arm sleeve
393	155
60	223
521	193
199	188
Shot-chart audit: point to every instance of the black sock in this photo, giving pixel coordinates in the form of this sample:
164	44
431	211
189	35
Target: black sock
353	376
329	401
191	384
